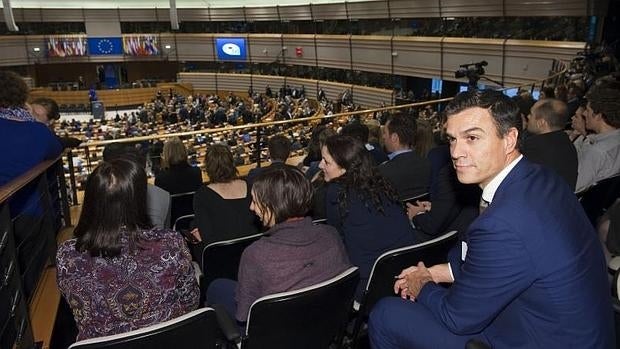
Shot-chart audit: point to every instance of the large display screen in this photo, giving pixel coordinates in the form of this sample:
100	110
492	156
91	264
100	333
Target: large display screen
230	49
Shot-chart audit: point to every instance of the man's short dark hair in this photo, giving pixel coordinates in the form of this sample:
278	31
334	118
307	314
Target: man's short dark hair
604	99
50	105
14	92
284	191
554	111
279	148
405	126
356	130
504	111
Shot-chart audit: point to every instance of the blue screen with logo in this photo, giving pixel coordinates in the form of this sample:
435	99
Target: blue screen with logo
230	49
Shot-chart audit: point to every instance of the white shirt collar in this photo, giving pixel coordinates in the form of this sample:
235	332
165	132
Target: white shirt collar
489	191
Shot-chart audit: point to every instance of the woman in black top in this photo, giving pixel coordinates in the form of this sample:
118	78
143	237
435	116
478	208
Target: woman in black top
222	207
177	176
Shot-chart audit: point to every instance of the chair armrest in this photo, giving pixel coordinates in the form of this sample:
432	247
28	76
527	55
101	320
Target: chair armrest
228	325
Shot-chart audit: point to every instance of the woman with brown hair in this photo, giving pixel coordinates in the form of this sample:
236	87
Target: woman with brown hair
222	206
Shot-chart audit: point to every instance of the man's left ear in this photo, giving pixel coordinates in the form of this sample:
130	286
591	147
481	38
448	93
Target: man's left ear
510	139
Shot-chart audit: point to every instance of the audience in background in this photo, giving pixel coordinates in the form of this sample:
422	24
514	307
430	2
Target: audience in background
361	204
177	176
119	274
599	153
361	132
279	150
548	144
222	207
157	199
294	253
408	173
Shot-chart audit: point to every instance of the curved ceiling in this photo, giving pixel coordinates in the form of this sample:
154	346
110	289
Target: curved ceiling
112	4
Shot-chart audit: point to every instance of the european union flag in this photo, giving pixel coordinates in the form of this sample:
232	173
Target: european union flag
105	46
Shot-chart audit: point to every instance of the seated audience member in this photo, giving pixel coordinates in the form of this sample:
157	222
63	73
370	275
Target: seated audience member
294	253
424	138
361	204
279	150
511	288
313	151
222	207
46	111
157	199
609	231
453	206
548	144
119	274
177	176
408	173
29	141
599	153
361	132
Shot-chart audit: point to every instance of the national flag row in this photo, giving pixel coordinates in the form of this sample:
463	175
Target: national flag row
131	45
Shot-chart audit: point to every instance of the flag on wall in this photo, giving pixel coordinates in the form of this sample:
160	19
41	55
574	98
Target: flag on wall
140	45
105	46
66	46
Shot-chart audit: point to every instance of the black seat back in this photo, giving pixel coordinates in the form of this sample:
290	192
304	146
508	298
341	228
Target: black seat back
391	263
312	317
221	259
194	330
181	204
600	197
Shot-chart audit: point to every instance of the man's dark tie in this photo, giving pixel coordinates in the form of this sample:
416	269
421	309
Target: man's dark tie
483	205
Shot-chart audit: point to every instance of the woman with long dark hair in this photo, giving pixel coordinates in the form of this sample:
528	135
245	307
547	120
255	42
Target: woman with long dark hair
361	204
118	274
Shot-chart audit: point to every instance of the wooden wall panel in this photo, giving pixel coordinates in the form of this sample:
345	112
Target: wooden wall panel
333	51
194	14
13	51
414	9
295	13
371	53
330	11
267	13
233	83
371	97
227	14
526	8
265	48
195	47
62	15
471	8
306	43
417	56
368	9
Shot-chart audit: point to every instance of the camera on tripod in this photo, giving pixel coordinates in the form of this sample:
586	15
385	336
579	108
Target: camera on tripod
471	71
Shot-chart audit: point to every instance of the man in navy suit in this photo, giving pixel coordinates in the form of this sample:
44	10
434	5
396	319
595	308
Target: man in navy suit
529	273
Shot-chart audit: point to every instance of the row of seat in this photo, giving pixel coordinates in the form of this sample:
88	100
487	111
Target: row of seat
313	317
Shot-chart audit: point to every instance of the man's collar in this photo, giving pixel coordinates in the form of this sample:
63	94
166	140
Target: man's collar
395	153
489	191
597	137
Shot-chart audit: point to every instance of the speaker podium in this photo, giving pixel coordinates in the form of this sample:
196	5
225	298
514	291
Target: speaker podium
97	109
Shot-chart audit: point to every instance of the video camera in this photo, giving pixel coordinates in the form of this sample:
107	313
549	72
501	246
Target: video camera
472	71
